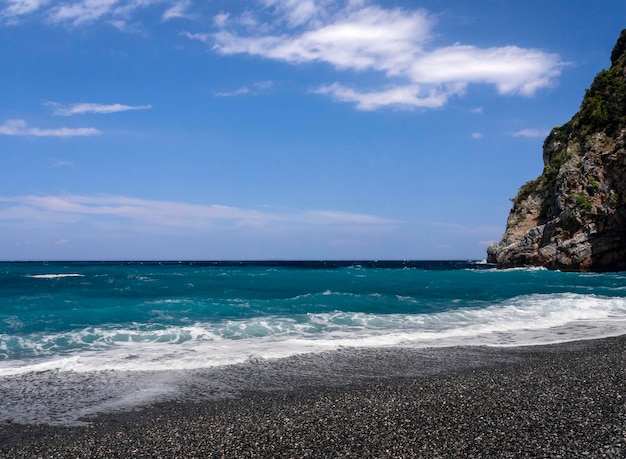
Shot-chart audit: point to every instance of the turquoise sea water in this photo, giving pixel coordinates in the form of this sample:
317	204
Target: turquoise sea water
80	339
83	317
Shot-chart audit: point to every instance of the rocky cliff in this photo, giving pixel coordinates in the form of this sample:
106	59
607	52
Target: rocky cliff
573	216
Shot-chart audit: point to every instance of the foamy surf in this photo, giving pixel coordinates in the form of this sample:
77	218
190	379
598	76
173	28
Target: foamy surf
525	320
53	276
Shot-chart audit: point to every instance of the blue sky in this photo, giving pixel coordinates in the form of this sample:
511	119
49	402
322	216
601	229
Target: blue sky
281	129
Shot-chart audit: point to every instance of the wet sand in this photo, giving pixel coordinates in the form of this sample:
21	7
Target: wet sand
566	400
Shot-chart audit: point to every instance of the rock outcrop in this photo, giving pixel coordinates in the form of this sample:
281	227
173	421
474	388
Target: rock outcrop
573	216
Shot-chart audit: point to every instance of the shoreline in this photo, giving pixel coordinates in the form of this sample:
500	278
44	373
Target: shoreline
559	400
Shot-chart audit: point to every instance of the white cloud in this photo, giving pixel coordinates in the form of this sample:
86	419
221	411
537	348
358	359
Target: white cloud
477	135
399	96
531	133
20	128
115	12
91	209
297	12
202	37
221	20
81	12
122	14
370	38
17	8
61	163
177	10
511	69
237	92
354	36
261	87
337	217
85	108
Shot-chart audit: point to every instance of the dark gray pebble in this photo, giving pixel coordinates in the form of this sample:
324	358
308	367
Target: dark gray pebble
562	401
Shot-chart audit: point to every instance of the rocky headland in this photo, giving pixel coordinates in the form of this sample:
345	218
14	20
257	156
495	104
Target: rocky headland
573	216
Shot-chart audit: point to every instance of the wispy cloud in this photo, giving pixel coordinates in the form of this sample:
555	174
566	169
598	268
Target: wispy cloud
357	36
83	12
61	163
85	108
531	133
261	87
16	8
411	96
220	20
177	10
20	128
297	12
477	135
92	209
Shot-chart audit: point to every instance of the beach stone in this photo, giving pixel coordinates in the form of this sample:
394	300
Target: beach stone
552	401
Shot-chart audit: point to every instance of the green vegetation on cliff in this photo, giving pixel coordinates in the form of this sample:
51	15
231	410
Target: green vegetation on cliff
603	110
573	216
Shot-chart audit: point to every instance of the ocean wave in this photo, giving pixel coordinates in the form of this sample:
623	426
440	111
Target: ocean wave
494	269
523	320
54	276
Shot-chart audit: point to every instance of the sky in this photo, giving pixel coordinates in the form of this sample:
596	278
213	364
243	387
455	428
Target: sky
281	129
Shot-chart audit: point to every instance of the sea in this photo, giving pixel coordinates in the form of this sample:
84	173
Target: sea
79	338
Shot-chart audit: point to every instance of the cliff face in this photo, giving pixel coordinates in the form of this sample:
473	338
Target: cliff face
573	216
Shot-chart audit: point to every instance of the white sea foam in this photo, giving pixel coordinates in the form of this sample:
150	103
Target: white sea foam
54	276
494	269
524	320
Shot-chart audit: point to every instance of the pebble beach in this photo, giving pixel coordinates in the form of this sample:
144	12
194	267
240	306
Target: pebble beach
555	401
